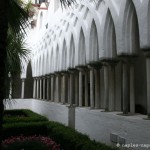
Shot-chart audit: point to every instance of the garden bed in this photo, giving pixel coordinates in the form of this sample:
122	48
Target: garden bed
34	124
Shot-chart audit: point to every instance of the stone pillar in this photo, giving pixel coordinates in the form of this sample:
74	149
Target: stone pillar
86	89
22	89
126	86
147	54
132	90
80	88
43	88
106	86
97	87
72	88
48	88
92	96
64	90
34	88
77	88
58	87
37	89
40	88
52	87
112	87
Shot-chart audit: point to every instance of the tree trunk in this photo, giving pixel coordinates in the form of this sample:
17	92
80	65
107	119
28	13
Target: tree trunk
3	44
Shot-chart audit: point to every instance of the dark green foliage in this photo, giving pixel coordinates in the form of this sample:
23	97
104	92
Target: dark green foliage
22	128
23	115
69	139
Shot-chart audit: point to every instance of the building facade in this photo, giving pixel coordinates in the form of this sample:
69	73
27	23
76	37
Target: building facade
95	54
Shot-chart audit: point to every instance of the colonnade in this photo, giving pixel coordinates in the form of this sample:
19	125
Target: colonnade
92	86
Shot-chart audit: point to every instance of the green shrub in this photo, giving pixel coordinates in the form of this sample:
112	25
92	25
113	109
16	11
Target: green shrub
23	115
70	139
22	128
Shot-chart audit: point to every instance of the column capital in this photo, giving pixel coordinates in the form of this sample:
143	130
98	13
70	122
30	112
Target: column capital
95	66
23	79
147	52
72	70
82	68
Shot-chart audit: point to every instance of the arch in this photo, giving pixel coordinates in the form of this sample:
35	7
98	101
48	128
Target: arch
51	61
148	21
130	30
39	67
64	56
41	20
72	53
109	38
57	59
93	43
28	93
81	49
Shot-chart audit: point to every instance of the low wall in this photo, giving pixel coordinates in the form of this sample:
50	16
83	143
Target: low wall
106	127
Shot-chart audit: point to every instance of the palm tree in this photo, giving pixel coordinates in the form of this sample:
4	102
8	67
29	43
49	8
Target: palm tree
17	54
14	16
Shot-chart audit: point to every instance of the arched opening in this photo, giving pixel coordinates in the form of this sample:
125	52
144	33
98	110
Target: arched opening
57	59
41	20
137	68
72	53
64	56
148	21
51	62
93	43
81	49
109	40
28	91
130	30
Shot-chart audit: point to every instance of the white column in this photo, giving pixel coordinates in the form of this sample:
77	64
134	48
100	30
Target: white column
148	81
132	91
77	88
52	87
40	88
86	89
106	86
34	88
92	96
80	88
48	88
37	89
126	87
43	78
64	90
112	87
97	87
22	90
72	87
58	88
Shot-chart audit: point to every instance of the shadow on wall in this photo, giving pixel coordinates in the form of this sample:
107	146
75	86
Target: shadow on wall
28	91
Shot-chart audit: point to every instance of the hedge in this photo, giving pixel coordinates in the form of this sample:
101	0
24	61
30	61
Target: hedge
12	116
70	139
26	129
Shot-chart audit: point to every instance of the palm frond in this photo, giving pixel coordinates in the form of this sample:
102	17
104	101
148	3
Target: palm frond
18	18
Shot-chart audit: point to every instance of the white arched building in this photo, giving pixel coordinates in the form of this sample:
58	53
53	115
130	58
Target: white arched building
93	56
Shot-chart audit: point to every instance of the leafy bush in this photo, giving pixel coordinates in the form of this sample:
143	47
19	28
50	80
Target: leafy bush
30	143
31	128
70	139
23	115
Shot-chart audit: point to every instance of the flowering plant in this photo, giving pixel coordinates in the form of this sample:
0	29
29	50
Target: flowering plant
48	142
